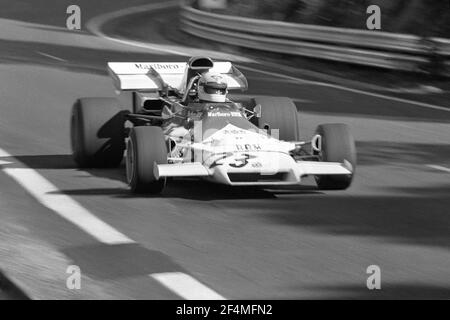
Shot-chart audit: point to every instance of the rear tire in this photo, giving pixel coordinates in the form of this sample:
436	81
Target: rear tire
338	145
145	147
97	133
279	113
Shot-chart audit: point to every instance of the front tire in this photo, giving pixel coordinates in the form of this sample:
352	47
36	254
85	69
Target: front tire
338	145
97	133
281	114
145	147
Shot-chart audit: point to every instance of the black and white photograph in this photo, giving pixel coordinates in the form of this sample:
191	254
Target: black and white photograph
224	156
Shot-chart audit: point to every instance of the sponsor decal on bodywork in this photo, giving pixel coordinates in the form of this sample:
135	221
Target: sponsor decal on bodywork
161	66
224	114
236	160
249	147
234	139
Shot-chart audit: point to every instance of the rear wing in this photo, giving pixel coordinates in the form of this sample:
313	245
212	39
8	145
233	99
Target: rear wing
158	76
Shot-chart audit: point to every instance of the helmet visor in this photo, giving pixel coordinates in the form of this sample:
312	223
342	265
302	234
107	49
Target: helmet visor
210	90
215	88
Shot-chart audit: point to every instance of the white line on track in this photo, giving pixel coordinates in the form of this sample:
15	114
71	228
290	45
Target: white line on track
440	168
64	206
95	26
338	87
46	193
51	197
50	56
186	286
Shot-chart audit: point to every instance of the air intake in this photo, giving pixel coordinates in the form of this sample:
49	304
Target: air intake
257	177
201	63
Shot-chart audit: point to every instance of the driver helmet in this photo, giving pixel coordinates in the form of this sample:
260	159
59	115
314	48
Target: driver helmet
212	87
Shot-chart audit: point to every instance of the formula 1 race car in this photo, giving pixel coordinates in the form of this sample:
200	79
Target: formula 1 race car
182	123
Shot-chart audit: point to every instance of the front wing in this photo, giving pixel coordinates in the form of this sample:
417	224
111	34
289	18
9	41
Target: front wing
287	175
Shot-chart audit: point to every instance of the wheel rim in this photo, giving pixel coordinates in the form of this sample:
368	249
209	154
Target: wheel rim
130	161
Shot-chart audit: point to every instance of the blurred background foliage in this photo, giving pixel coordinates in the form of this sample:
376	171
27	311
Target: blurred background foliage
420	17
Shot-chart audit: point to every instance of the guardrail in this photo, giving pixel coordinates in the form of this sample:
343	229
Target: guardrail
368	48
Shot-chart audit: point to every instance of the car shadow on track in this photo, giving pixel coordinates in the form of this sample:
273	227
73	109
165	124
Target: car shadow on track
406	215
47	161
203	191
387	152
175	188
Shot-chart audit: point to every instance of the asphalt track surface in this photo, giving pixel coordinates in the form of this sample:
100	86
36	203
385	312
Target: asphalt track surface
251	243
